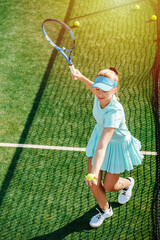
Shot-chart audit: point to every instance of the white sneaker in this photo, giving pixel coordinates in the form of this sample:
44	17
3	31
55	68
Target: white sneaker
126	193
98	219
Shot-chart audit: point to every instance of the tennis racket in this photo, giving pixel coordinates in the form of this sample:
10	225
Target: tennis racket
60	36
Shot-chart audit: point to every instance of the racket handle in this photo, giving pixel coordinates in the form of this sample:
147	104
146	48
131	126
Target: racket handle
73	70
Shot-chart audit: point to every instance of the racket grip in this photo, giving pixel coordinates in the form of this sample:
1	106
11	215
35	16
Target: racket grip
73	70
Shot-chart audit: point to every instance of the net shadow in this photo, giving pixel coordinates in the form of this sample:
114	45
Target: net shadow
106	10
156	109
78	225
33	111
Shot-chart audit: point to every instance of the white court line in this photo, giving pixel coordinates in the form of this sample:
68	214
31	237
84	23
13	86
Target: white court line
42	147
57	148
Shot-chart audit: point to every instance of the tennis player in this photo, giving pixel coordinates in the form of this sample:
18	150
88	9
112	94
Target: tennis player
111	147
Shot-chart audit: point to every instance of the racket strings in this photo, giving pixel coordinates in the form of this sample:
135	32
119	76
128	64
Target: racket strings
59	35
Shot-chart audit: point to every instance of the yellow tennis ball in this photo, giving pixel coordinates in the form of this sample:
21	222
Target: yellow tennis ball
76	24
154	17
90	176
137	7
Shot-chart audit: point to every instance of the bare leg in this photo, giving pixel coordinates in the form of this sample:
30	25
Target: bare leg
98	191
113	182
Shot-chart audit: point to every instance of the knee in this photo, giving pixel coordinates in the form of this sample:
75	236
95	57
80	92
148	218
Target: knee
94	188
109	188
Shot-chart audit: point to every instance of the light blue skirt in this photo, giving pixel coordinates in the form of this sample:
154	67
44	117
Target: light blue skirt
121	154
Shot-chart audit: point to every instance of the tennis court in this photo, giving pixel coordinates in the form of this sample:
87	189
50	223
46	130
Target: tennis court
46	118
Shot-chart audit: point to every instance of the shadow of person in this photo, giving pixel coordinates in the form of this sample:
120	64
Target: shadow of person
78	225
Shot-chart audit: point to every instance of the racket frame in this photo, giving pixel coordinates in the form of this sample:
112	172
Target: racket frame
61	50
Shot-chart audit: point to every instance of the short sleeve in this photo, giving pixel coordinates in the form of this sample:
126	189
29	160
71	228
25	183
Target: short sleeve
113	118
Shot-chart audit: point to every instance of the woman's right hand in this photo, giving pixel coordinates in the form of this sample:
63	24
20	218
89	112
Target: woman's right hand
91	181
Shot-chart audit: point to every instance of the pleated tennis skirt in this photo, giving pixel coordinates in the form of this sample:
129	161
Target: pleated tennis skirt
121	154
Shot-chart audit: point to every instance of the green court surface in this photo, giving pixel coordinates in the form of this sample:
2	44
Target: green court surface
43	193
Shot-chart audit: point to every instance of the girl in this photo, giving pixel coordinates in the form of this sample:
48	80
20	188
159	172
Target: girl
111	147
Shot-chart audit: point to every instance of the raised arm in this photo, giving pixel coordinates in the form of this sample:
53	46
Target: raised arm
85	80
